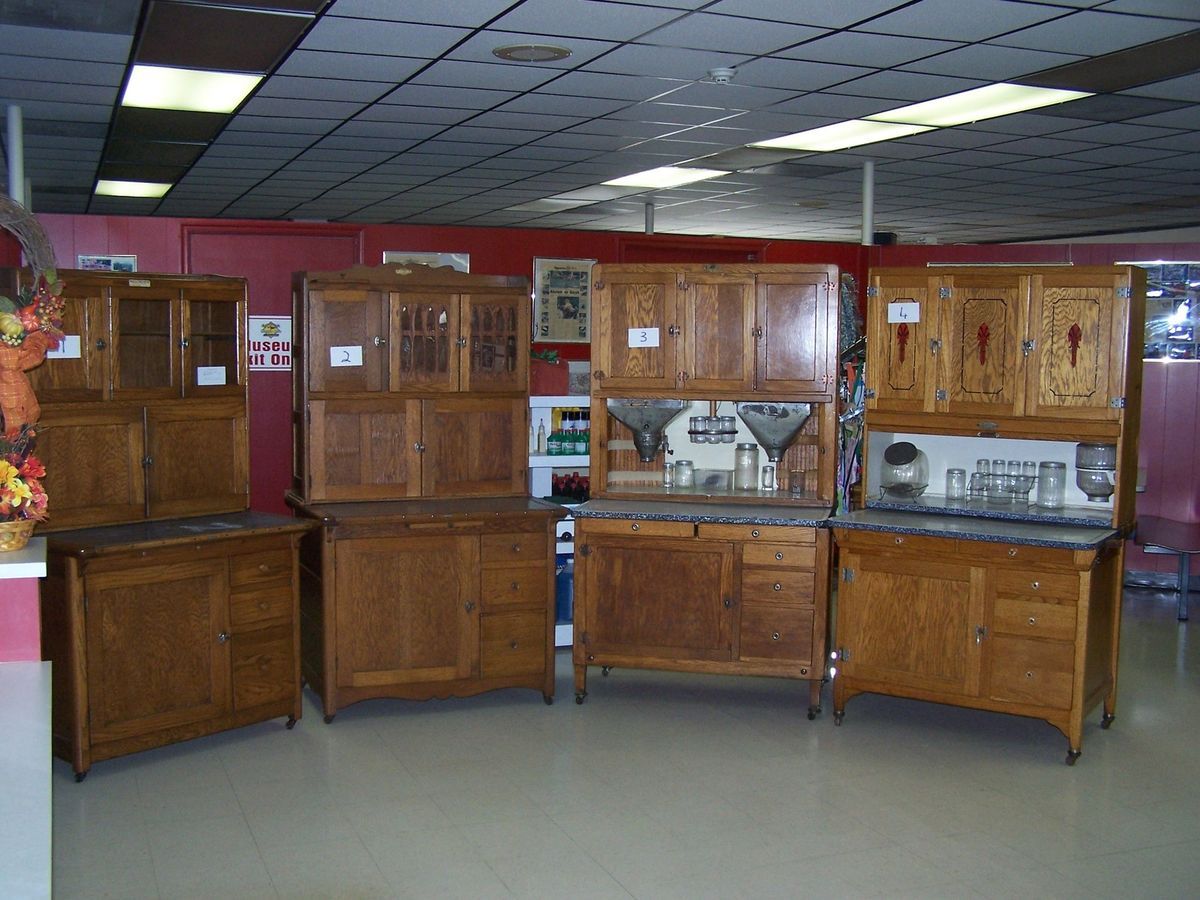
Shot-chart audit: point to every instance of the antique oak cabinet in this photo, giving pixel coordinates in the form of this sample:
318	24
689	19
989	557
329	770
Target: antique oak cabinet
704	578
431	572
169	610
1000	606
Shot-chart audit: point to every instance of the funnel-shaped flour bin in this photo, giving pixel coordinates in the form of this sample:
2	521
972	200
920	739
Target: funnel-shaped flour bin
646	419
774	425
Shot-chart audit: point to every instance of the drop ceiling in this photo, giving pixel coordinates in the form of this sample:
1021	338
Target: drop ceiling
382	111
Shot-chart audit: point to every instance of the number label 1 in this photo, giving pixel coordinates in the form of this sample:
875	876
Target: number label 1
643	337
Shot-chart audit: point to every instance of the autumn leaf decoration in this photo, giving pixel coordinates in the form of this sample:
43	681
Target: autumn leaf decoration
902	338
1074	339
983	336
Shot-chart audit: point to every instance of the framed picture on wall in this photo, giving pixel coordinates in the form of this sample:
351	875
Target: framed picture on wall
91	262
562	300
460	262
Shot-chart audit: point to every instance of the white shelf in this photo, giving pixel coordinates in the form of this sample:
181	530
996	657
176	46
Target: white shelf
546	461
560	400
564	635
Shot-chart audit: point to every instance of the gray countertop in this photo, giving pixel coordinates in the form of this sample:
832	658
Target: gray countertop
970	528
1098	516
717	513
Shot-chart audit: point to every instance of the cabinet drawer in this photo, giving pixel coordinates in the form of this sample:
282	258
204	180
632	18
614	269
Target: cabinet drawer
644	527
515	586
264	670
1035	672
258	568
1015	553
788	555
777	586
1037	584
1031	618
885	541
512	644
795	534
247	607
512	549
776	632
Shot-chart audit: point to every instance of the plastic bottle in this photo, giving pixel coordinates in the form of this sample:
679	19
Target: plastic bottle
541	437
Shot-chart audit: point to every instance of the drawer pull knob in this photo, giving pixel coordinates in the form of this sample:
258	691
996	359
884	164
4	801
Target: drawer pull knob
514	586
754	533
1035	585
513	645
899	540
777	586
803	671
469	605
635	526
779	554
263	567
775	636
1012	551
1032	620
222	637
1028	674
262	604
516	548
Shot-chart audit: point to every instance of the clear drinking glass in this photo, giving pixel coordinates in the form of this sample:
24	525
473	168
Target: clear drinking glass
956	484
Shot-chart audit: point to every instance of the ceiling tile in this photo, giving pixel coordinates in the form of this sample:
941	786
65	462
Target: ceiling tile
489	76
479	47
290	87
729	34
344	64
1106	32
335	34
638	60
962	20
585	18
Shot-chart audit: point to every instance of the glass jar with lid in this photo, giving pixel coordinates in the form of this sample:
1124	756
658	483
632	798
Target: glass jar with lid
745	467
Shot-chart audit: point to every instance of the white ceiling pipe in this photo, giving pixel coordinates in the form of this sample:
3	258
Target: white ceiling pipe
868	203
16	155
649	218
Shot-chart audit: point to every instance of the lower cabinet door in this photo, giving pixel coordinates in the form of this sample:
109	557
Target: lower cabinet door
512	644
1038	673
406	610
157	654
771	631
263	667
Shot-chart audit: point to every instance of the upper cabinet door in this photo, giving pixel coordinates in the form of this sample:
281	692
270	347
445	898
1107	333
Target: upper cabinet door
474	446
982	321
363	449
637	330
495	357
147	332
78	370
1078	354
718	333
347	340
426	342
177	482
214	360
902	320
797	348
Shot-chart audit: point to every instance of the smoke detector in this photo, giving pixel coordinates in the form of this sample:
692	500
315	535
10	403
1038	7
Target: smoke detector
721	75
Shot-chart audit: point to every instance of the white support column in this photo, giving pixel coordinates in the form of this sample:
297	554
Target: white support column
16	155
649	218
868	203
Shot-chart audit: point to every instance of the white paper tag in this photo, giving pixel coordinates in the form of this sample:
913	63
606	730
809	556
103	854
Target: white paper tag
69	347
345	356
643	337
210	375
904	311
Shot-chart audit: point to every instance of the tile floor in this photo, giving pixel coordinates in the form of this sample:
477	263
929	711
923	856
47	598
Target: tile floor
662	786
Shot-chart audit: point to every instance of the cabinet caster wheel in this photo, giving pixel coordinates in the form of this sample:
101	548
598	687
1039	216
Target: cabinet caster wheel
329	719
1106	721
812	712
291	723
79	776
604	670
837	716
548	699
580	696
1072	755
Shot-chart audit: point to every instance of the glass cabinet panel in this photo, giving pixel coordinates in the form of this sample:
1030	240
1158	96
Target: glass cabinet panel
146	335
212	346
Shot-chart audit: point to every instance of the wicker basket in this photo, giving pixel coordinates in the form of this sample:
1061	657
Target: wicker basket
15	535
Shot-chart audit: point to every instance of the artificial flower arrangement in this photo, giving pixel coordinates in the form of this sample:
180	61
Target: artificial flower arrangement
37	311
21	494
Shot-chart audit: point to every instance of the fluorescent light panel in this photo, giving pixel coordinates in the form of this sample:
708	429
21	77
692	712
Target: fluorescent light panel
665	177
841	135
975	105
110	188
162	87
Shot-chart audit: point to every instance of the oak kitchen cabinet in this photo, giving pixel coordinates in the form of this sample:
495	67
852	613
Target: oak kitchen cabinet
694	330
1006	350
987	624
427	598
165	631
153	367
410	382
699	592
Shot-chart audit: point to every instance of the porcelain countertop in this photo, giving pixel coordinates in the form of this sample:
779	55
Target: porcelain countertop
716	513
1097	516
971	528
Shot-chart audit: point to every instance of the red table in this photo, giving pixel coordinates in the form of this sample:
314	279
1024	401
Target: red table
1161	535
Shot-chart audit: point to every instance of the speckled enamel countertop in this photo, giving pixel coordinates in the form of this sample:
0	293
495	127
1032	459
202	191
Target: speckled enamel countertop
716	513
1097	516
973	528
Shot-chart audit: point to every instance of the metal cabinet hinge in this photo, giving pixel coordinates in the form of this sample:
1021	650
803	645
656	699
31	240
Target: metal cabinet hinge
869	393
147	462
1027	347
941	394
945	293
1117	402
1124	293
935	345
847	575
585	550
872	291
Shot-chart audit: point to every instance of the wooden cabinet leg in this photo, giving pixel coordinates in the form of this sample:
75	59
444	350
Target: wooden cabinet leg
814	698
580	683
